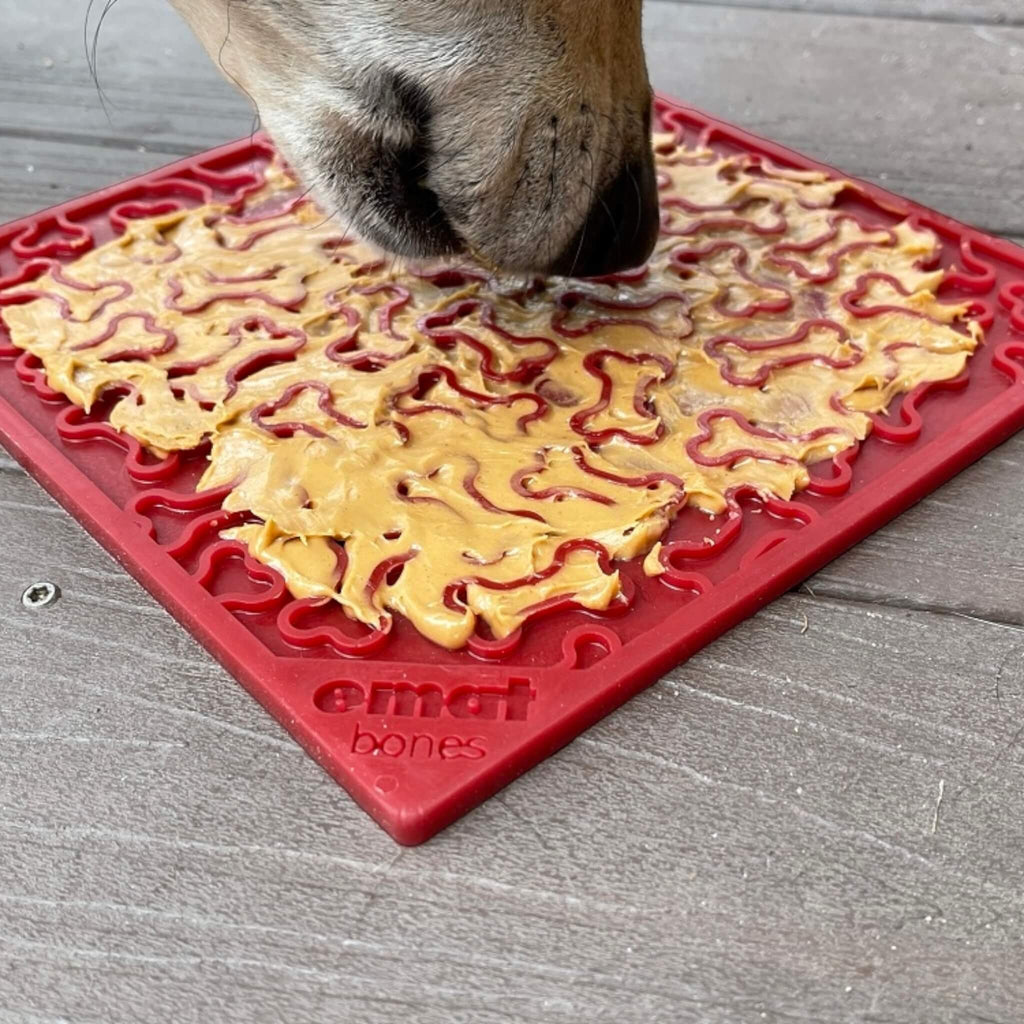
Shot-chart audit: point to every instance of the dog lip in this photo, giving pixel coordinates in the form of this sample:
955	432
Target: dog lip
410	232
620	229
403	243
402	214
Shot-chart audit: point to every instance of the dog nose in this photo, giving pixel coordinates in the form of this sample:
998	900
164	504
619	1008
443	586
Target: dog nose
620	229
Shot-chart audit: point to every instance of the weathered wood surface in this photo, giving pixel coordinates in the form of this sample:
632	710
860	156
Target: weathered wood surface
817	819
967	12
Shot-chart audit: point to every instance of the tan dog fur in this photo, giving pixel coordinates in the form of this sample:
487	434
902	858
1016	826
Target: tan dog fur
439	126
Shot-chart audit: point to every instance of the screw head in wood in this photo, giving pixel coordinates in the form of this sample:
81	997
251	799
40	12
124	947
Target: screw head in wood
40	594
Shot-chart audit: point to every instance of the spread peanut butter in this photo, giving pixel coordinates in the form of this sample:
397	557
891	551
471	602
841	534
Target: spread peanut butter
454	447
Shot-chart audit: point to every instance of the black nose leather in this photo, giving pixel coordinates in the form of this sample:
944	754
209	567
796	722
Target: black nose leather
620	229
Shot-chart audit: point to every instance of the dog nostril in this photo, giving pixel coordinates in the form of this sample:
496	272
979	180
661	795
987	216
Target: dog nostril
621	226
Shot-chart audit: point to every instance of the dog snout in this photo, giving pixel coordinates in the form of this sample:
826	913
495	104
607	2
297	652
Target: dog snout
620	228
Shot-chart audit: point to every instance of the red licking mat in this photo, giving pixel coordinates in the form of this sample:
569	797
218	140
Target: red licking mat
419	735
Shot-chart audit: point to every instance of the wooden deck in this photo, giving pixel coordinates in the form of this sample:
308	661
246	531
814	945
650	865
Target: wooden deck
822	825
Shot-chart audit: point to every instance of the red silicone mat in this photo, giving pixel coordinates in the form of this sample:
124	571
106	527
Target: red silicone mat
416	734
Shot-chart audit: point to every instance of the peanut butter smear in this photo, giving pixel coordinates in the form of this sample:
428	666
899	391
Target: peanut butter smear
453	447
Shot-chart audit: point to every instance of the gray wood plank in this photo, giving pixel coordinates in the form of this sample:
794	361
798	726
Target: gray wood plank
36	173
969	12
756	835
960	550
872	96
160	87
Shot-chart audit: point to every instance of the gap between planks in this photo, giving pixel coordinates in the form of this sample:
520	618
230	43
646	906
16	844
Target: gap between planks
852	10
819	594
116	142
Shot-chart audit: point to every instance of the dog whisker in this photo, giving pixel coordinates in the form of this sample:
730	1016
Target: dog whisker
586	220
639	201
91	52
257	118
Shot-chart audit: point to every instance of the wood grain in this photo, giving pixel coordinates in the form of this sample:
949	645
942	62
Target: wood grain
964	12
816	819
873	96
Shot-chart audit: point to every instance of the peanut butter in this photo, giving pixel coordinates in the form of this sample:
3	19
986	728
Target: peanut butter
453	447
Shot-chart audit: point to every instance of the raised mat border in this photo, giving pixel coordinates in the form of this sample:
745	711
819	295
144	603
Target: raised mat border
467	726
